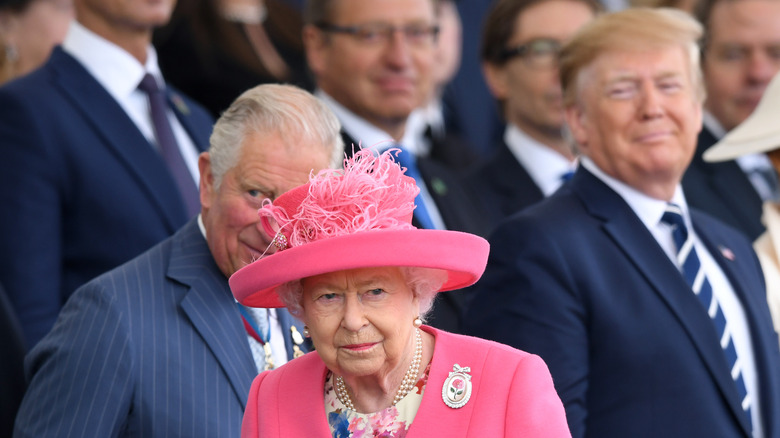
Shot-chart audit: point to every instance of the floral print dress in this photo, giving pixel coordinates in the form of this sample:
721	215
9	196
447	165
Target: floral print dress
392	422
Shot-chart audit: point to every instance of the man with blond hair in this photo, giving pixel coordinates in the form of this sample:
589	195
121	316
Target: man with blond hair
650	315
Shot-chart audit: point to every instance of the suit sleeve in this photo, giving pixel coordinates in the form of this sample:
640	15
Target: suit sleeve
528	299
81	374
30	243
250	427
532	393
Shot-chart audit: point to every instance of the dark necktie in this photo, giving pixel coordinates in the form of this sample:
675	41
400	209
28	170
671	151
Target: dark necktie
695	277
407	160
169	149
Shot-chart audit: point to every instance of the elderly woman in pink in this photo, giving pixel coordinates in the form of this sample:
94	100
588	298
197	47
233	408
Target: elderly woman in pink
351	266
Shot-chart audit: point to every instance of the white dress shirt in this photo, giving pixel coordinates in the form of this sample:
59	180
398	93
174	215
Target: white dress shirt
120	73
545	166
650	210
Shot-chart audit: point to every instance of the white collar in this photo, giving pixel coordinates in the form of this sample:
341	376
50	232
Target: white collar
363	132
648	209
543	164
113	67
712	124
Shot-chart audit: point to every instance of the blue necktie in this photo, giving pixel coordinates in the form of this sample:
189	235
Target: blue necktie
169	148
695	277
407	160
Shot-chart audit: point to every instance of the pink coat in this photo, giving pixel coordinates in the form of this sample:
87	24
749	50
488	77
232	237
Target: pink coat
512	395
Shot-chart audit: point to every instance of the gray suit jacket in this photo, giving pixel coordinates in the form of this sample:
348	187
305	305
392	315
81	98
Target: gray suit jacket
154	347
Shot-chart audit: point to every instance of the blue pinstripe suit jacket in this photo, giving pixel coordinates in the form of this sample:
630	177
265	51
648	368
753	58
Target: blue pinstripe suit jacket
153	348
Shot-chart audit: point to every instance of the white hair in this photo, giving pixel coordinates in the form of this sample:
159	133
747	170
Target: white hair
285	109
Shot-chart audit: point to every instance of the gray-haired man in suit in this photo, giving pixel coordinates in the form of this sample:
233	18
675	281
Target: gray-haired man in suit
159	346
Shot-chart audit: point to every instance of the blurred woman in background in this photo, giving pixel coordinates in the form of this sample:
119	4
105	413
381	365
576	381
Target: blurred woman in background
213	50
29	29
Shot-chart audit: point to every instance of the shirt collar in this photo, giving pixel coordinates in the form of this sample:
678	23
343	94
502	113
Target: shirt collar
363	132
113	67
543	164
712	124
648	209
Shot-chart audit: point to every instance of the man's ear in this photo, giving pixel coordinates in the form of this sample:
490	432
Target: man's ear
496	79
207	188
314	43
576	121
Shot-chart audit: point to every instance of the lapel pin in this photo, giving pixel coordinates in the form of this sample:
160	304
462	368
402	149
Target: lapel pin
180	104
457	388
727	253
439	186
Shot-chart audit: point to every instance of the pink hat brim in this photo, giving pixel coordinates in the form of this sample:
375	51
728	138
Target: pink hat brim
462	255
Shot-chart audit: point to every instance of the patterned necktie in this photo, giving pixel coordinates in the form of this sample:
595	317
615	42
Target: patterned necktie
169	148
695	277
407	160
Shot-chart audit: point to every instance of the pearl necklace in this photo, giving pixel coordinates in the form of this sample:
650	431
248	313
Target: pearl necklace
409	381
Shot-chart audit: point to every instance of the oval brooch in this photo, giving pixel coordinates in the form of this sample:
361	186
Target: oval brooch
457	388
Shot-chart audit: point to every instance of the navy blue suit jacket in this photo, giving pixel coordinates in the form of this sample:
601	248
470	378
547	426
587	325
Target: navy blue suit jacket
11	365
502	186
84	189
154	348
723	190
579	280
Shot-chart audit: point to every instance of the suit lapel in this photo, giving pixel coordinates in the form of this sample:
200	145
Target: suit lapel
513	182
633	238
433	414
729	181
183	113
119	134
210	307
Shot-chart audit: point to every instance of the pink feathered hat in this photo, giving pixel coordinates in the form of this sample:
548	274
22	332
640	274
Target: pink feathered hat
358	217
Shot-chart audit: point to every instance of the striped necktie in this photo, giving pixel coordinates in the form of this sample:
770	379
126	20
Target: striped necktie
697	280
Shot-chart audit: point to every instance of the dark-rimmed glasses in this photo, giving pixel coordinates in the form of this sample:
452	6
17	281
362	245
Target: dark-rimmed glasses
538	53
379	33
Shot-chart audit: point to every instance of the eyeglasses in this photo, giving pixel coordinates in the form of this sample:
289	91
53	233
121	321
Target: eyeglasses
378	33
538	53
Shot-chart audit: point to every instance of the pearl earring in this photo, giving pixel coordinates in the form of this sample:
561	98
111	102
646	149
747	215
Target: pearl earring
306	331
417	322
